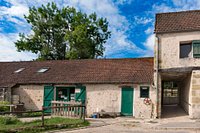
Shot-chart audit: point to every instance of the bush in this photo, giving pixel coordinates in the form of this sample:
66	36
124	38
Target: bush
4	108
6	120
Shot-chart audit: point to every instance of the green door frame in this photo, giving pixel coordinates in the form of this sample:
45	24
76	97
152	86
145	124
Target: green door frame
127	101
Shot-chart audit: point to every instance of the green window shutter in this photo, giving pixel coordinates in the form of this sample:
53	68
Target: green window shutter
48	97
196	48
144	91
82	95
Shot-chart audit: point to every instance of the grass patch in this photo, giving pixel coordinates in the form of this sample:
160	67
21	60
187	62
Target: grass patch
8	125
34	114
4	107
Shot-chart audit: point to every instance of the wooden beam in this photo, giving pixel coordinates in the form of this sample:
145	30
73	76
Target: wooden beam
179	69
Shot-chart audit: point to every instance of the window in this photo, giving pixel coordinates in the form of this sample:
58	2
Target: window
19	70
170	89
185	50
42	70
65	93
144	91
196	48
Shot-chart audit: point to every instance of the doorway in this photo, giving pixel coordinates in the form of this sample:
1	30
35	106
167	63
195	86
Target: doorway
127	101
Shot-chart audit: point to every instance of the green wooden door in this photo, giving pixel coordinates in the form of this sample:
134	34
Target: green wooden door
82	95
127	101
48	96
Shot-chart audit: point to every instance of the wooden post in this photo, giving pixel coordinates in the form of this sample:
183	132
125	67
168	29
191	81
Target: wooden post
3	94
42	116
10	108
84	113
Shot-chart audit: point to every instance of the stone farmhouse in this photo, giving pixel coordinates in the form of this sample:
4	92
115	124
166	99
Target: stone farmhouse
139	87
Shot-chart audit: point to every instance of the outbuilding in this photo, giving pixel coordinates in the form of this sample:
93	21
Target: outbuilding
122	86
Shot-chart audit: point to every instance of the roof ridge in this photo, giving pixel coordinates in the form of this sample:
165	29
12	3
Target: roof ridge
80	60
176	12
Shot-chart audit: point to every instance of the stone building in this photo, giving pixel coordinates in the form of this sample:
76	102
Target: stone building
139	87
108	85
177	63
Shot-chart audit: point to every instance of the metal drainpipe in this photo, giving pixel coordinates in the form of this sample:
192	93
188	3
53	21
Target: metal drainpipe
157	78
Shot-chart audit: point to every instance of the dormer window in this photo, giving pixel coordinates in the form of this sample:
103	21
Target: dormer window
19	70
42	70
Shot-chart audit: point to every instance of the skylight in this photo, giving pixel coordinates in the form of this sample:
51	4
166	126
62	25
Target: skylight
19	70
42	70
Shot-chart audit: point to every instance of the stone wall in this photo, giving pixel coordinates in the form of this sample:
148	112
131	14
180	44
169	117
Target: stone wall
103	97
30	95
142	110
107	97
169	49
184	95
195	96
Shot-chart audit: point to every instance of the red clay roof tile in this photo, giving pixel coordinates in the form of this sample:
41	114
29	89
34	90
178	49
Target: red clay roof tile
138	70
177	21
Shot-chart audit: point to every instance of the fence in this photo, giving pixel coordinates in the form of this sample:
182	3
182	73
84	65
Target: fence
67	109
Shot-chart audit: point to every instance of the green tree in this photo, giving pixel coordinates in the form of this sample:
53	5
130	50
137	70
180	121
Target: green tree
64	33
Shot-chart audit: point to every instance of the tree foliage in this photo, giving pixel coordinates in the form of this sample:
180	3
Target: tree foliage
64	33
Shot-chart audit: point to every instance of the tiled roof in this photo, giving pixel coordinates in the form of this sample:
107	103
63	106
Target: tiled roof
138	70
178	21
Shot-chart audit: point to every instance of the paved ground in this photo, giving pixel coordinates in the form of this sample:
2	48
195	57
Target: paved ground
131	125
174	120
173	111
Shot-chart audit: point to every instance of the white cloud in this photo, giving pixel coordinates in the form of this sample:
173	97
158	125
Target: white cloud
8	52
14	10
122	47
121	2
118	24
150	42
178	5
142	20
149	30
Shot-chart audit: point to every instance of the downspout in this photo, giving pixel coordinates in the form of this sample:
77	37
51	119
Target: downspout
157	76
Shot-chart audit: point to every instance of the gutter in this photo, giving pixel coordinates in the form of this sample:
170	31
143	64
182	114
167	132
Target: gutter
157	78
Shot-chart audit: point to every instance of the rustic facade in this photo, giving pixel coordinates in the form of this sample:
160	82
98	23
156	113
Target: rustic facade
100	84
138	87
177	60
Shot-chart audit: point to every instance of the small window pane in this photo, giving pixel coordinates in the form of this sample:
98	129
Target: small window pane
42	70
19	70
144	92
185	50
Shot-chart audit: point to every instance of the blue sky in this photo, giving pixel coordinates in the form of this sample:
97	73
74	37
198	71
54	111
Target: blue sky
130	21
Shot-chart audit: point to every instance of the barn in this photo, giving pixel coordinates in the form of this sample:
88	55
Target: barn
102	85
